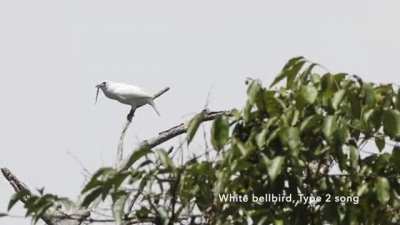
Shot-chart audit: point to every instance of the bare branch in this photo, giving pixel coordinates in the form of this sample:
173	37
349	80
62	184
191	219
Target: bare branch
180	129
17	185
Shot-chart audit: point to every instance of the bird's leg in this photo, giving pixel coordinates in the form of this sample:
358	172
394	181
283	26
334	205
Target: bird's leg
131	114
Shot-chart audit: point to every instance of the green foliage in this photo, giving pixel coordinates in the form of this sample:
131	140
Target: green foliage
193	125
391	122
119	200
138	154
165	160
19	196
382	188
36	205
307	95
220	132
284	140
106	181
274	166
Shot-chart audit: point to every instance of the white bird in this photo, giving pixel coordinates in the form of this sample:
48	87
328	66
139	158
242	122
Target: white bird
126	94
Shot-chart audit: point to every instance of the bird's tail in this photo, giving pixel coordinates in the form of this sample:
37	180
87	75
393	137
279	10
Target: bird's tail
153	105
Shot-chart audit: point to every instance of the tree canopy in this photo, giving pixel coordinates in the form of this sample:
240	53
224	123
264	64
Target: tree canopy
284	142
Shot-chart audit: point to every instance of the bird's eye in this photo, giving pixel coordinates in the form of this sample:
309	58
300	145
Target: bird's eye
103	84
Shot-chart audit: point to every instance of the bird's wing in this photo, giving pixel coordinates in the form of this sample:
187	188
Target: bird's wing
131	92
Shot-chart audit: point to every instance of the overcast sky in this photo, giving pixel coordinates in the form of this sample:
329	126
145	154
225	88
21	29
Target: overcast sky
52	54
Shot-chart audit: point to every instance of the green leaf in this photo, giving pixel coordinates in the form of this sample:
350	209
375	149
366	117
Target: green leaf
274	134
398	100
290	64
193	125
382	188
354	156
245	150
247	111
376	118
382	161
275	167
165	160
295	117
307	72
311	123
117	179
341	136
315	78
369	93
253	91
220	132
337	98
94	181
135	156
118	205
91	196
279	222
380	143
290	137
273	106
329	127
391	123
41	211
261	138
366	116
362	189
30	204
307	95
395	159
293	72
355	102
15	198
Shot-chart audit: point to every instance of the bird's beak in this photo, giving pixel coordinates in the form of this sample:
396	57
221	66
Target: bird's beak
97	92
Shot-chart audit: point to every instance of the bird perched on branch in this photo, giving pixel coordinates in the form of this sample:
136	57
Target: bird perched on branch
126	94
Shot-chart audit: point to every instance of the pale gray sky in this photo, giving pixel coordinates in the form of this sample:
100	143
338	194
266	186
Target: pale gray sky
52	53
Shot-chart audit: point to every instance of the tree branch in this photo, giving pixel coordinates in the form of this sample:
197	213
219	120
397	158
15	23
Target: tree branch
17	185
169	134
179	129
58	217
77	216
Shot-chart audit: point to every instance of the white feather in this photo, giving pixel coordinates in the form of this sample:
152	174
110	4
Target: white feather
128	94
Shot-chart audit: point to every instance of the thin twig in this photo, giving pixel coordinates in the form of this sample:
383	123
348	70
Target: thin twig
120	149
86	172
